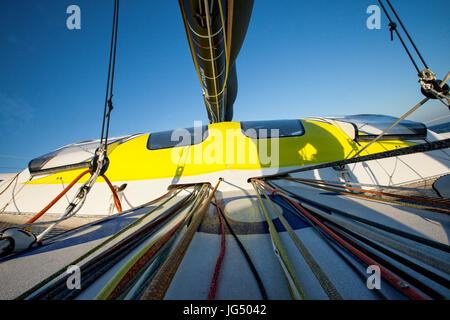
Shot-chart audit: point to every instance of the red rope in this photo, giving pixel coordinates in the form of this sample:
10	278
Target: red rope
215	278
396	282
143	260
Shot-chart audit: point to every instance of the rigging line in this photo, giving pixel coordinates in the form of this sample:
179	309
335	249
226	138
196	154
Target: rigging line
138	261
208	25
10	183
294	285
227	50
14	194
101	220
148	272
436	119
107	218
112	75
396	282
411	265
202	36
424	147
378	187
351	260
114	194
109	73
421	103
245	253
193	52
393	26
387	240
103	262
320	275
110	82
205	59
93	250
63	186
215	278
427	200
162	280
374	198
59	196
421	240
145	255
407	34
404	275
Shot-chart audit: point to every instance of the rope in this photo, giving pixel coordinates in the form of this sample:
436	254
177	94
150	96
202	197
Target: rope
101	220
191	47
294	285
424	147
352	261
110	82
100	264
380	226
227	44
87	254
10	183
323	279
388	241
421	103
418	284
161	282
418	254
246	255
386	274
114	193
407	34
422	207
59	196
122	278
375	186
215	278
393	27
380	193
208	26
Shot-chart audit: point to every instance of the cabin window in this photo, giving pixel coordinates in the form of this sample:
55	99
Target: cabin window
272	129
370	126
177	138
73	156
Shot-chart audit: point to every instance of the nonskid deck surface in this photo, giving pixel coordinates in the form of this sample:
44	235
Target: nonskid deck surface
242	211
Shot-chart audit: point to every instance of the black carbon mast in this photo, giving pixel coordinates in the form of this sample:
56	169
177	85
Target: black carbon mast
216	30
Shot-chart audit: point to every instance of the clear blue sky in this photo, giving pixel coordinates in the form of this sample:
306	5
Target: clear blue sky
299	59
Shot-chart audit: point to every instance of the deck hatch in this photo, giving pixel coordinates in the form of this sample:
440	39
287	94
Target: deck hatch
370	126
263	129
177	138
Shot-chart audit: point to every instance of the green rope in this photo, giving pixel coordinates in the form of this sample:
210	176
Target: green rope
294	285
323	279
62	270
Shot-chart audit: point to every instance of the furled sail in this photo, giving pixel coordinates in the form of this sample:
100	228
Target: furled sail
216	30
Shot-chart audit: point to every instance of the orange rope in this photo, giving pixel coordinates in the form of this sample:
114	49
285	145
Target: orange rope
114	192
59	196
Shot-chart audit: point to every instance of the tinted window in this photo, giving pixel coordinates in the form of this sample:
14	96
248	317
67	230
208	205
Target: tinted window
263	129
177	138
371	125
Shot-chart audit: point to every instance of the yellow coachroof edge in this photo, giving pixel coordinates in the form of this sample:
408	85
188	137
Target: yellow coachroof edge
227	148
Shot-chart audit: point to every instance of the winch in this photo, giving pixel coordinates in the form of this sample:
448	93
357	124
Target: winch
14	240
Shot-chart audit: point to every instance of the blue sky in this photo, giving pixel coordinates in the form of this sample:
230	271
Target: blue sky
299	59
